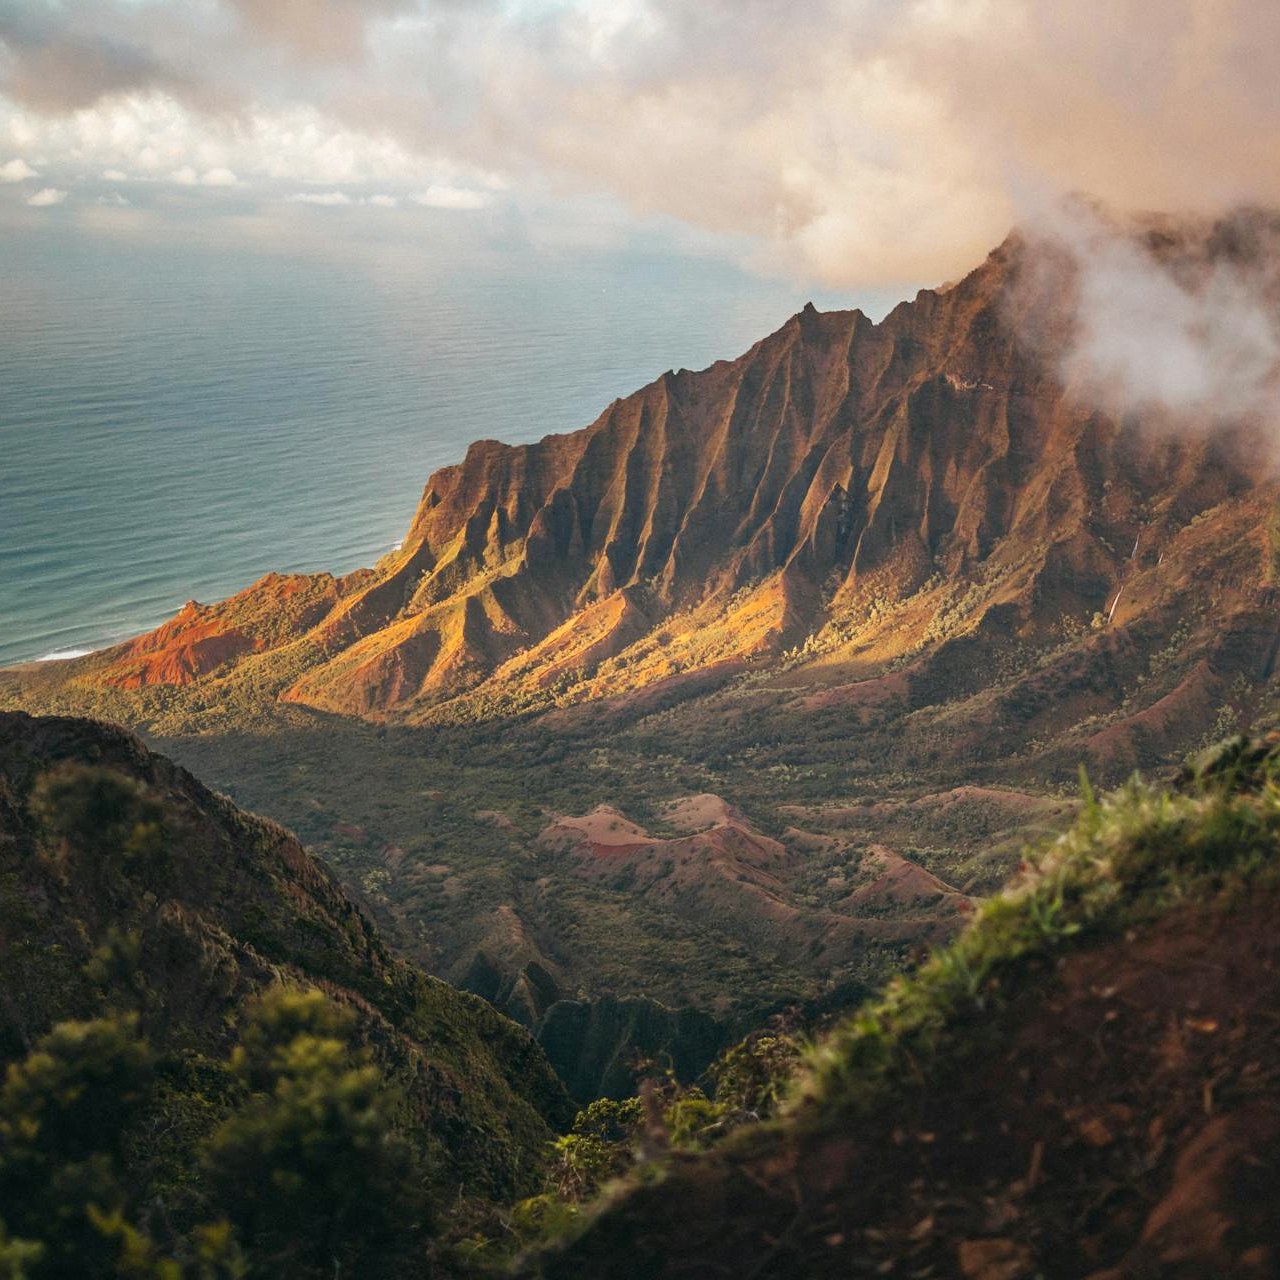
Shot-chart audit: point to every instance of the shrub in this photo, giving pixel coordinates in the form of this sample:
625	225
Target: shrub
311	1170
97	818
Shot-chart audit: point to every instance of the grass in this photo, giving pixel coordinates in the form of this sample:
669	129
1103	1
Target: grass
1128	858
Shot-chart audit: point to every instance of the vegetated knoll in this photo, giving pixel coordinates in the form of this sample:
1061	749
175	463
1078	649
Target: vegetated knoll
871	504
126	885
720	867
1084	1084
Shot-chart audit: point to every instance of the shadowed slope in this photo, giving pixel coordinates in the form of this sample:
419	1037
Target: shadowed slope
207	907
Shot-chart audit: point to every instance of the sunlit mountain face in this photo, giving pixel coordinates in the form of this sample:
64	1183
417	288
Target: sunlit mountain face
178	421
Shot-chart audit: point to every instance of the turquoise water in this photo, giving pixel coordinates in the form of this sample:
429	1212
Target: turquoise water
175	423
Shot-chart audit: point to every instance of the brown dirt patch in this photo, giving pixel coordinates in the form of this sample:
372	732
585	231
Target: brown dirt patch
1120	1121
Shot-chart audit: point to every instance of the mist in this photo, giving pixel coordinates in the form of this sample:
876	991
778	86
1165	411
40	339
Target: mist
1156	315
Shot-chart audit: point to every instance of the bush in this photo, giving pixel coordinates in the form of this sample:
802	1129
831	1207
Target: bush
64	1112
99	819
311	1169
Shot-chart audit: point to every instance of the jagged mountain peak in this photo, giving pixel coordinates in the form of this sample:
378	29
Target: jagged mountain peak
714	519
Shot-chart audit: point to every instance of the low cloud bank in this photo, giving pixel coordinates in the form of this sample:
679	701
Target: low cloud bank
1177	319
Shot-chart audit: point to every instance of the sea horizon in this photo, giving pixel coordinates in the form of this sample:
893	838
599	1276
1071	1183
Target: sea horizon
179	422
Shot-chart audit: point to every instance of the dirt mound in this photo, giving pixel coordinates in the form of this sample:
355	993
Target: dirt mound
696	813
1127	1129
603	828
900	881
726	870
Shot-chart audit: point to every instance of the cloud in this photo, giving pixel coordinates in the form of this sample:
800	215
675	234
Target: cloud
71	56
438	196
115	175
154	135
340	199
45	197
187	176
17	170
328	199
851	142
318	30
1156	314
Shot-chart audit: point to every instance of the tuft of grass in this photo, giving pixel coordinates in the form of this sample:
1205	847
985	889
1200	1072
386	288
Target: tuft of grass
1128	857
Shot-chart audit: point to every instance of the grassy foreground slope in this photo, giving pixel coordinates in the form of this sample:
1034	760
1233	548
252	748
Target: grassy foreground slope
132	895
1085	1084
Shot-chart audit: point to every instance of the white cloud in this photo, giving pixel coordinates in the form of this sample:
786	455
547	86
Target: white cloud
438	196
17	170
853	141
382	202
114	199
155	135
115	175
219	177
329	199
186	176
45	197
1151	331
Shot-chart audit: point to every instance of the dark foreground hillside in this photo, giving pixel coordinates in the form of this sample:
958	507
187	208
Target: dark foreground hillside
214	1066
1086	1084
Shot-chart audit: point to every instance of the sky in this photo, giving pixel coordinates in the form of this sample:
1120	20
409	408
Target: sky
868	145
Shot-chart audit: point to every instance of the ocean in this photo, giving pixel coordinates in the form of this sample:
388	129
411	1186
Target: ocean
177	421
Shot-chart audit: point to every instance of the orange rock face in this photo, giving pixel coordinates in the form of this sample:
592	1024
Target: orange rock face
202	638
916	482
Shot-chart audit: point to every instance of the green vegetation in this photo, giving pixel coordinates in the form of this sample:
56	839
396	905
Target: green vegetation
313	1169
907	1112
1129	857
436	826
212	1065
281	1130
308	1173
65	1112
400	814
612	1140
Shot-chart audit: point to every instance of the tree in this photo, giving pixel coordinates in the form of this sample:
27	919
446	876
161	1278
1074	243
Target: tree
65	1110
311	1169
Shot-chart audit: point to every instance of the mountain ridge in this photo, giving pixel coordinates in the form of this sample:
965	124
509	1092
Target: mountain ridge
709	521
1013	582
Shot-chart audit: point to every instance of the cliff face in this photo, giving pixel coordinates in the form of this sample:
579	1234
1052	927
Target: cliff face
714	520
